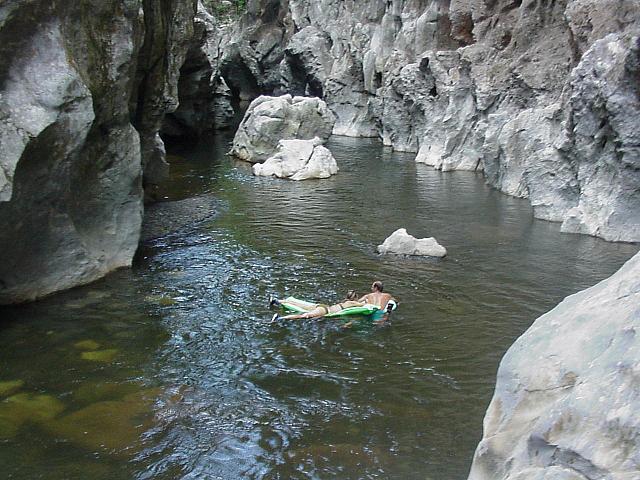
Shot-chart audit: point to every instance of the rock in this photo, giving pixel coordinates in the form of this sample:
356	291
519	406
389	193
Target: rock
605	135
115	425
204	97
472	85
271	119
401	243
26	408
10	387
104	356
71	162
299	160
566	399
168	34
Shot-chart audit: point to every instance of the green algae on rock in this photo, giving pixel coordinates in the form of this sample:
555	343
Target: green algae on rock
100	355
25	408
10	387
110	425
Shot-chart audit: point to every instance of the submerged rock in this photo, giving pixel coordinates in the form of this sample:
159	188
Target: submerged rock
26	408
401	243
271	119
104	356
10	387
114	426
299	160
164	218
567	395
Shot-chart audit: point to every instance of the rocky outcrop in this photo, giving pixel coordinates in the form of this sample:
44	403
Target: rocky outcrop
204	97
565	404
515	89
271	119
72	77
168	32
401	243
299	160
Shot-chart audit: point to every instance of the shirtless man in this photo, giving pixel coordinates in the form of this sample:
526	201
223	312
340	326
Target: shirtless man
379	298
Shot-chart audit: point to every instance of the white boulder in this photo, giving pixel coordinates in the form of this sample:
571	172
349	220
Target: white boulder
299	160
401	243
271	119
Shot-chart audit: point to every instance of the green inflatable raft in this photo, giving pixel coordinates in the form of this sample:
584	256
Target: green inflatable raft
292	304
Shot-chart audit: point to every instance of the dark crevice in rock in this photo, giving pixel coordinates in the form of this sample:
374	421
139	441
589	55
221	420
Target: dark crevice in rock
241	81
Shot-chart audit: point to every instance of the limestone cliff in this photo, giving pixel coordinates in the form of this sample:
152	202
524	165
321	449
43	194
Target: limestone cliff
540	95
567	392
75	77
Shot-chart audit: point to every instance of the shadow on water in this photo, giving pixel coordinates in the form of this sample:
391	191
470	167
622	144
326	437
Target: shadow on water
171	369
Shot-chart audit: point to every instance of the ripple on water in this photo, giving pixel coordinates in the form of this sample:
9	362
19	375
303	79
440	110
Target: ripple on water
202	386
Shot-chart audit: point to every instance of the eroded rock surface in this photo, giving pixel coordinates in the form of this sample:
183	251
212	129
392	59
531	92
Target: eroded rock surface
528	92
204	97
299	160
566	400
402	243
73	76
271	119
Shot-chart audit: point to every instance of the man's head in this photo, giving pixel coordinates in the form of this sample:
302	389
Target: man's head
377	286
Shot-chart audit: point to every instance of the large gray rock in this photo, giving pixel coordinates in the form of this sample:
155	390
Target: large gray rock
71	161
401	243
299	160
605	140
567	395
271	119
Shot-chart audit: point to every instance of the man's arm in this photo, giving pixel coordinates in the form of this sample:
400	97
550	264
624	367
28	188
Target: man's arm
387	313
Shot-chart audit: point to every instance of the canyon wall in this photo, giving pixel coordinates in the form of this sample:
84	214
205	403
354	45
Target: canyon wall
84	87
540	95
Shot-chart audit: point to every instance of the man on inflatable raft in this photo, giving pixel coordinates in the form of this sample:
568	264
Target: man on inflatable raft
375	303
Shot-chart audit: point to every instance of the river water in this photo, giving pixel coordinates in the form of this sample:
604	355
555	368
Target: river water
171	369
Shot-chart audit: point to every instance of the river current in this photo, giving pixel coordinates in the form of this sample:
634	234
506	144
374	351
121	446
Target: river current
172	369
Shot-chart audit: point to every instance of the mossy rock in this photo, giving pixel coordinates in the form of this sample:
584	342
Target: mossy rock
24	408
10	387
87	345
104	356
114	426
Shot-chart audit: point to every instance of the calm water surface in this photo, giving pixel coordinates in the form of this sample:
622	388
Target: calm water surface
171	369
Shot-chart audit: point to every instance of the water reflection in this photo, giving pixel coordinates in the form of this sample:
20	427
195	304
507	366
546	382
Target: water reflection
173	371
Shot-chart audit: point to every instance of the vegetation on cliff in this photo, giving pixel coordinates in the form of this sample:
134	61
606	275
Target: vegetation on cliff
225	8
